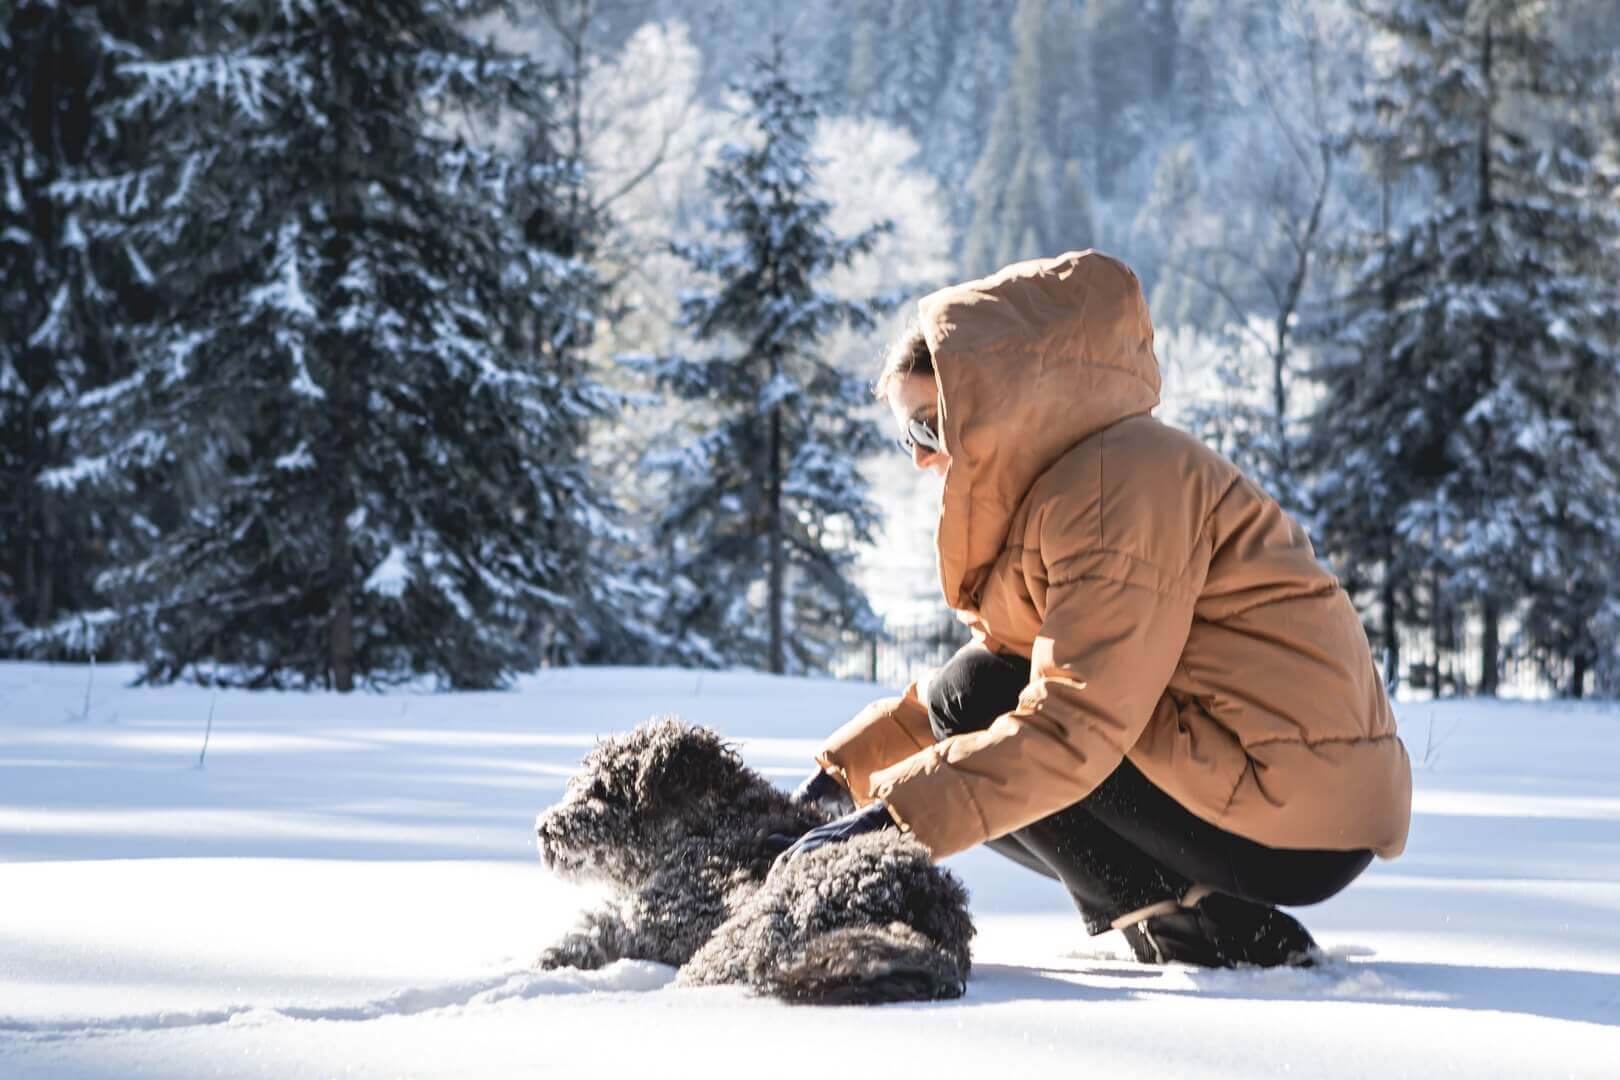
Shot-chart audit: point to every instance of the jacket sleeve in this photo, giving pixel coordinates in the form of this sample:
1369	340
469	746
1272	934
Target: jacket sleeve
1111	635
881	734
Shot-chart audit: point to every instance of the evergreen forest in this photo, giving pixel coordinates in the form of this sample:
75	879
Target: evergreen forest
352	343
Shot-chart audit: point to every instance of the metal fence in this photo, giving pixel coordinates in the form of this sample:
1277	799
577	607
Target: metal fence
910	648
1452	668
905	651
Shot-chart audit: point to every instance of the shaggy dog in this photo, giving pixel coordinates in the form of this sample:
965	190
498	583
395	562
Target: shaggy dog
685	833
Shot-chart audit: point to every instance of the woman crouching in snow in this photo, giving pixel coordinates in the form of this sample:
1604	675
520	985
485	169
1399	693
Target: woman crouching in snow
1168	705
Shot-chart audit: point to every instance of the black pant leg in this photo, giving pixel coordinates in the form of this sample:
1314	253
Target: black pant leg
1103	873
1013	848
973	688
1128	844
1153	821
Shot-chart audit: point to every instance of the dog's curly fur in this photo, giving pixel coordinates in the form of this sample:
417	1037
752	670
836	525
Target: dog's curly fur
685	833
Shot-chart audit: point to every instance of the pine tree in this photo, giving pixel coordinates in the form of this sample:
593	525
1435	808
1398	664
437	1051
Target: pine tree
1571	620
1241	211
61	290
1475	351
1029	194
935	68
357	386
1123	42
765	504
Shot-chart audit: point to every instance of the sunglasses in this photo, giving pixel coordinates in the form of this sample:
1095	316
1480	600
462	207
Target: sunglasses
918	433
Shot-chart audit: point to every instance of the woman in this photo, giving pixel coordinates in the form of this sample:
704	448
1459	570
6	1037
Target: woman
1168	704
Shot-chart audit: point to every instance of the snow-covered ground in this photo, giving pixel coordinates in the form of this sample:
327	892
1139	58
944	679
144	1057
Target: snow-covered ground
348	887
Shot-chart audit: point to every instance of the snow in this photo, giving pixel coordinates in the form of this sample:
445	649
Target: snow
49	331
299	457
285	293
392	575
238	80
349	887
143	273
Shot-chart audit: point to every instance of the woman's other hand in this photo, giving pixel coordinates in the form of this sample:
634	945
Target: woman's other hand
822	792
870	818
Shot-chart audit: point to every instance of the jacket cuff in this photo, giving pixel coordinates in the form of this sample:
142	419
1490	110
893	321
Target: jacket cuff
886	731
917	788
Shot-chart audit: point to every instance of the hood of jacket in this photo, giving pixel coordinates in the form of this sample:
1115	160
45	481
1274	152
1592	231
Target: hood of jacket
1030	361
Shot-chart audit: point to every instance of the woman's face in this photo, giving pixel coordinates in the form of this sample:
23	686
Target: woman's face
916	398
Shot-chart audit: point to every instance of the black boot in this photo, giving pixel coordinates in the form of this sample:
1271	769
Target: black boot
1213	929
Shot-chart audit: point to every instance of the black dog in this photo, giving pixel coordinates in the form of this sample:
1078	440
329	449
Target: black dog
686	835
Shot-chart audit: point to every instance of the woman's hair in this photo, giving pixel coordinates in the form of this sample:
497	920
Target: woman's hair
907	355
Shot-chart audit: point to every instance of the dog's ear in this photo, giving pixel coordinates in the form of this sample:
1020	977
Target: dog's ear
682	764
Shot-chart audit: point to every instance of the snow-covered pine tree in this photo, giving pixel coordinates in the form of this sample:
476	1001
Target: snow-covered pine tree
1029	195
1475	350
1570	623
358	431
1128	48
62	290
1240	212
598	616
765	504
932	67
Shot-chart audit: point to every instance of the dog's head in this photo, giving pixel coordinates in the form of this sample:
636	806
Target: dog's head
634	796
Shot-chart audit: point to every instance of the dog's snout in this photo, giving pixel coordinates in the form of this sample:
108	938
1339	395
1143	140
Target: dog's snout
544	842
551	857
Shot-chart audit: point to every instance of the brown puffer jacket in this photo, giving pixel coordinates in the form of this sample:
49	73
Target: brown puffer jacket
1171	611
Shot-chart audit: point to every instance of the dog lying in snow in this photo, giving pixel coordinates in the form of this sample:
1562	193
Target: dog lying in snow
685	833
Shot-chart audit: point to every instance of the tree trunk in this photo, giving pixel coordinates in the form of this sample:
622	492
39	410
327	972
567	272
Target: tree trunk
340	555
1285	312
340	422
777	553
1577	682
1490	653
1490	659
1436	629
1392	644
28	577
1166	43
341	628
50	523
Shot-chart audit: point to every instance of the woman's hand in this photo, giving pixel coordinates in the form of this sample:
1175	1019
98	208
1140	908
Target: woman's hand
822	792
872	817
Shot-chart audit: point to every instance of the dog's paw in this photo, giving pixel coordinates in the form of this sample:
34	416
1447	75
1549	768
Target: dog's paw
580	953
